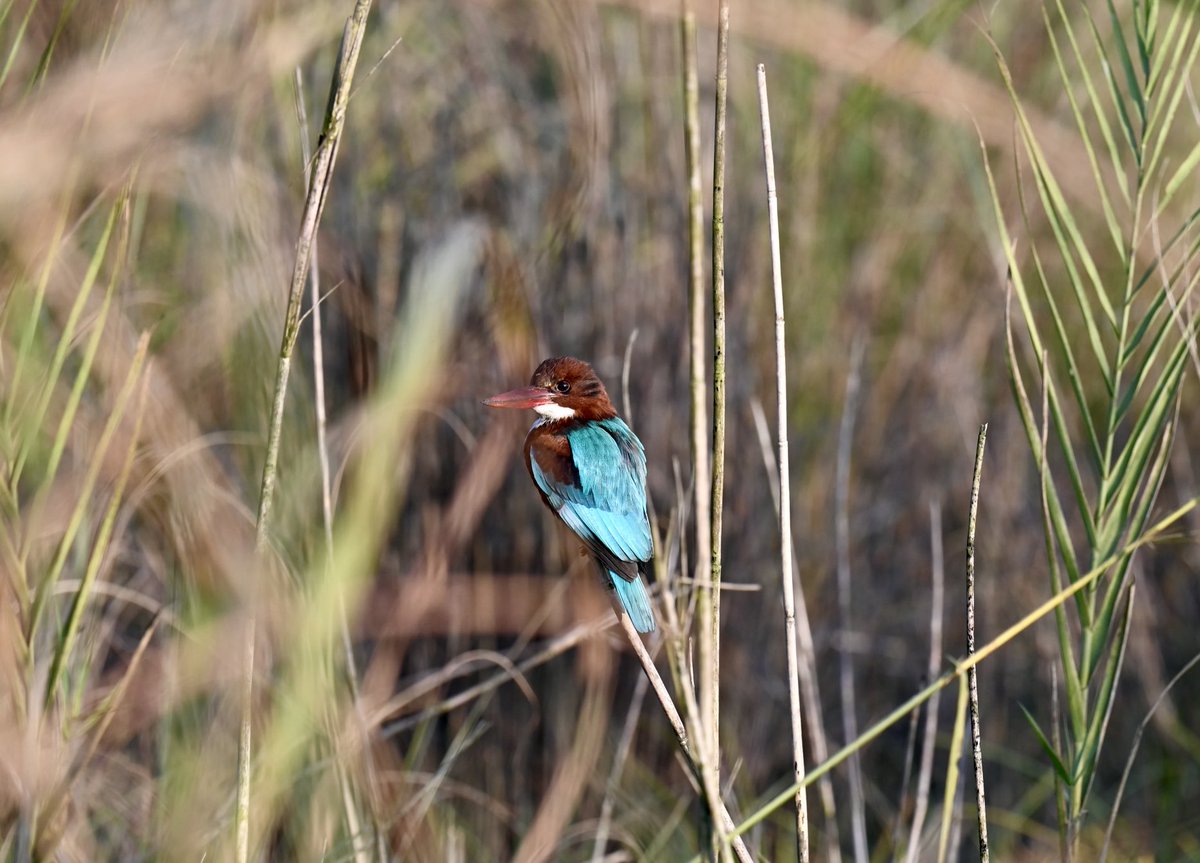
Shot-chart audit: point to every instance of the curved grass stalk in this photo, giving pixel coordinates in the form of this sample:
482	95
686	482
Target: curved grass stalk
322	171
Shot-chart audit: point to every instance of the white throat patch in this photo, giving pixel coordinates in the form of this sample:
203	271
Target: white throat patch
555	412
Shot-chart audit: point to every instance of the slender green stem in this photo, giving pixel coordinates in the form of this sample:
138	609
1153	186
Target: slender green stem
314	205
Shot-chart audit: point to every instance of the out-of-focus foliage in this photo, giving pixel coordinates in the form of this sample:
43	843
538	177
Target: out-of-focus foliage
511	185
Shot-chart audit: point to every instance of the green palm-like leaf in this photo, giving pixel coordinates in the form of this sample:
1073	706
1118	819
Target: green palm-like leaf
1130	329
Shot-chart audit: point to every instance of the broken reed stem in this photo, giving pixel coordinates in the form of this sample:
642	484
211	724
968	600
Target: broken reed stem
785	496
710	626
721	814
972	684
322	170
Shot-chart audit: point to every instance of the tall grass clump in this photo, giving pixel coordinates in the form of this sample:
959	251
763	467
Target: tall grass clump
1098	367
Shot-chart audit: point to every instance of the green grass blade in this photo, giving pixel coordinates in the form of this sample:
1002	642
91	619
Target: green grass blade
1182	15
1115	96
1178	74
1131	79
1179	234
1166	325
87	487
1055	760
1145	24
1106	133
1076	701
1059	213
1106	208
952	767
43	66
1061	531
1018	284
16	382
1183	174
1131	523
65	643
1104	699
1137	451
84	371
1071	246
18	39
1081	402
65	340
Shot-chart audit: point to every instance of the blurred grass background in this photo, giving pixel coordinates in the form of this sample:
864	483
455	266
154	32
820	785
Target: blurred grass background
523	165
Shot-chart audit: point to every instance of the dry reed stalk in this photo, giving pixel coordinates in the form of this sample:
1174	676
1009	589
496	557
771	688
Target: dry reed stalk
972	683
858	821
810	691
721	814
698	418
710	612
314	204
785	494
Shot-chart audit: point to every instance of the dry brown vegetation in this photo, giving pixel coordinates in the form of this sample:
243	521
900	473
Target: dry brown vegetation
511	184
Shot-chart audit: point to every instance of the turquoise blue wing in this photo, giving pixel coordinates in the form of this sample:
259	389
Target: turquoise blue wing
606	503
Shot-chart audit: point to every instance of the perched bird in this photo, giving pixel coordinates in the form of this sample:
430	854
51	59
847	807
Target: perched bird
590	470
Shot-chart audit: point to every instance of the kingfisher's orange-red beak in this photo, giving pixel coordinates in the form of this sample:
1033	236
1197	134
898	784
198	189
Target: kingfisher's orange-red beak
525	397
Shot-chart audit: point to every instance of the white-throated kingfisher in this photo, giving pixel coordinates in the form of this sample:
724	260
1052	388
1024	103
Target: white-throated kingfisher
590	470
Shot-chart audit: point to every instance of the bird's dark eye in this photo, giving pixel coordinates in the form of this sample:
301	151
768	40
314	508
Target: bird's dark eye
563	387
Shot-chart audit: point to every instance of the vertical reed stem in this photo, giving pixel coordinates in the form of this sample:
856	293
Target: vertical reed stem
785	494
698	423
710	624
